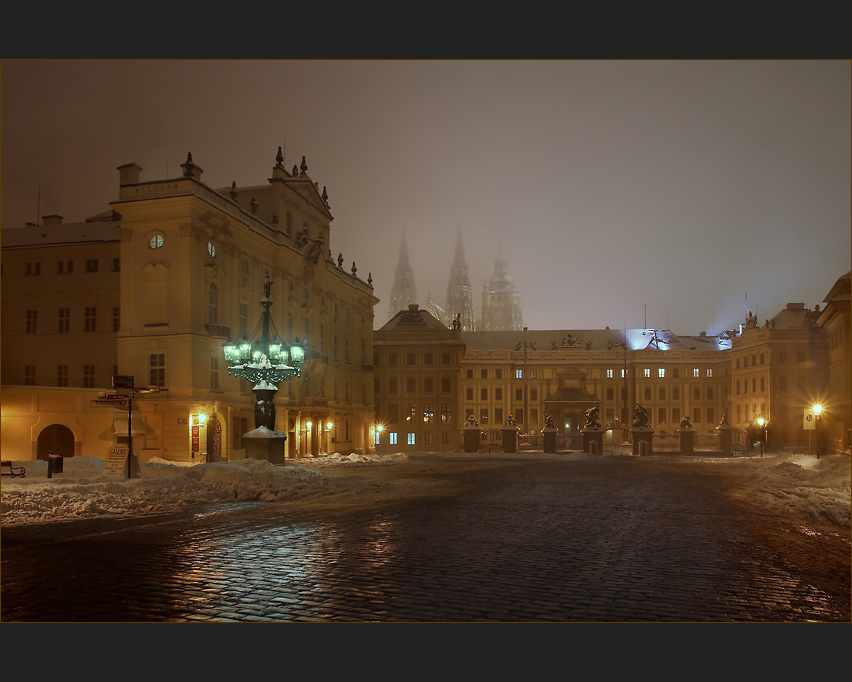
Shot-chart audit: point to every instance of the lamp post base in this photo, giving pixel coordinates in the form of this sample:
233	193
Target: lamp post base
263	443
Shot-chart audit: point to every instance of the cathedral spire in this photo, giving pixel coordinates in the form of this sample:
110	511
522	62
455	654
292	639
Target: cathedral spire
404	292
459	290
501	301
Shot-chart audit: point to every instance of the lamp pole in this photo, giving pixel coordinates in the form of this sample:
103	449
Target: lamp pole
817	411
526	403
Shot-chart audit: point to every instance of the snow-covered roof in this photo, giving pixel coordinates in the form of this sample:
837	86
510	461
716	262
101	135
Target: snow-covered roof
601	339
413	318
95	229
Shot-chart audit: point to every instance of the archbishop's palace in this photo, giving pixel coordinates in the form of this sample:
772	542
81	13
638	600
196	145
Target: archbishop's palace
155	286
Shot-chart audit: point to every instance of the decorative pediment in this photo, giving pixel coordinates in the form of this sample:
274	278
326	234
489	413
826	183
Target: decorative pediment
63	300
213	272
311	194
155	272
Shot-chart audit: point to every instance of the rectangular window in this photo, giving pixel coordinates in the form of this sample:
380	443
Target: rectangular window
411	439
392	386
520	415
762	358
393	438
519	374
676	373
695	373
240	426
446	385
427	439
661	373
60	267
411	385
609	374
411	412
533	374
738	413
661	415
498	373
116	264
696	394
483	394
610	394
709	373
91	265
762	385
709	394
32	321
647	393
348	396
409	358
445	358
243	320
754	385
661	394
469	374
157	369
64	320
445	438
88	376
70	267
446	413
519	394
214	373
32	269
498	394
647	373
675	394
428	359
376	437
392	358
468	394
393	413
62	375
697	412
483	415
738	387
623	373
428	414
29	375
428	385
533	394
116	318
244	264
90	319
483	374
498	415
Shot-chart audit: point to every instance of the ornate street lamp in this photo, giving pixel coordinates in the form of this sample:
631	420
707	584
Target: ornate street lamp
264	362
817	411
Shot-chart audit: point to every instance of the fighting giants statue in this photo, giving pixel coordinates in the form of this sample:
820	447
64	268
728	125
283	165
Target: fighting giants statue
593	418
686	422
640	417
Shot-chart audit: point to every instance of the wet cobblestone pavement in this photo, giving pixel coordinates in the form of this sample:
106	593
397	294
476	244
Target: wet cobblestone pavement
610	540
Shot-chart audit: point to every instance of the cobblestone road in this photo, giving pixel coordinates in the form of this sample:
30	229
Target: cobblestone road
608	540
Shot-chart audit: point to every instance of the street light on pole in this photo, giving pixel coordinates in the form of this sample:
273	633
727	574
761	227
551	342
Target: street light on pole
761	422
817	411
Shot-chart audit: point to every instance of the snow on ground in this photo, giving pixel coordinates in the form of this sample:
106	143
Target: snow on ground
818	490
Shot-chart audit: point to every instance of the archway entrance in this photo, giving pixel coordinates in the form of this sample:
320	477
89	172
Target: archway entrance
214	440
55	438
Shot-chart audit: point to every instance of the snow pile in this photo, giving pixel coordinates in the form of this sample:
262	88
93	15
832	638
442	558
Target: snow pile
82	490
336	459
816	489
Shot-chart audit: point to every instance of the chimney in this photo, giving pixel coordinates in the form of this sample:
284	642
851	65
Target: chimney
129	173
51	219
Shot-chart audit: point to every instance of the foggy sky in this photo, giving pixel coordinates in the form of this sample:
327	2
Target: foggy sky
610	185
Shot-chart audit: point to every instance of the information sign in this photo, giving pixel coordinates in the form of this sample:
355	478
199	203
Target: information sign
122	381
196	432
116	461
810	420
107	402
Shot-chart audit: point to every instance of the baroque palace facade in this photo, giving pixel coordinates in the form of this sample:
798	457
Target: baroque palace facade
156	285
154	288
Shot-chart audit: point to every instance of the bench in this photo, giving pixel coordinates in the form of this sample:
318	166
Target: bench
13	471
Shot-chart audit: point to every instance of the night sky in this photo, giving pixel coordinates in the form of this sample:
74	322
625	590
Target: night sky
609	185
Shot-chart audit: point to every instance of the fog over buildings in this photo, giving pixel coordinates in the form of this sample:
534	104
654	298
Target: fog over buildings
610	186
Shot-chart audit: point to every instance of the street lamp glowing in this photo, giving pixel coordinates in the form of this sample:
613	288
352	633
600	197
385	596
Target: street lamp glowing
380	428
817	409
308	425
329	426
761	421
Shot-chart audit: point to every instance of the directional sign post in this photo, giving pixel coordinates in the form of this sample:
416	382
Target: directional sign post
127	381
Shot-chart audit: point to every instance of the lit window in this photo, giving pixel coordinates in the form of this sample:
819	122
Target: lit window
156	241
393	437
428	415
624	374
446	413
376	439
211	249
244	264
647	373
661	373
533	374
609	374
411	439
695	373
519	374
709	373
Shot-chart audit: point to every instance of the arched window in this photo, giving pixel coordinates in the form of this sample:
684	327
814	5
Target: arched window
214	304
211	249
156	241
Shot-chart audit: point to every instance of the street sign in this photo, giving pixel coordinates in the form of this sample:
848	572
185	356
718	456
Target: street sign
122	381
109	402
810	420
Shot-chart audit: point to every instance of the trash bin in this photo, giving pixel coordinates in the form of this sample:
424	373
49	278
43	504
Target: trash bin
54	464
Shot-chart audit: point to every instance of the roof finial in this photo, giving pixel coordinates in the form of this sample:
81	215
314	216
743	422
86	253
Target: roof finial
234	193
370	278
253	205
354	269
279	158
325	195
303	167
295	170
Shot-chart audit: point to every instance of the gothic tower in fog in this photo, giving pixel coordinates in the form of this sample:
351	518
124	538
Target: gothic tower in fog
501	302
404	292
460	292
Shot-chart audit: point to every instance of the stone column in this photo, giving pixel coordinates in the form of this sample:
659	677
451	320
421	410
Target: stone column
510	438
549	433
471	437
593	439
687	440
726	439
643	440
